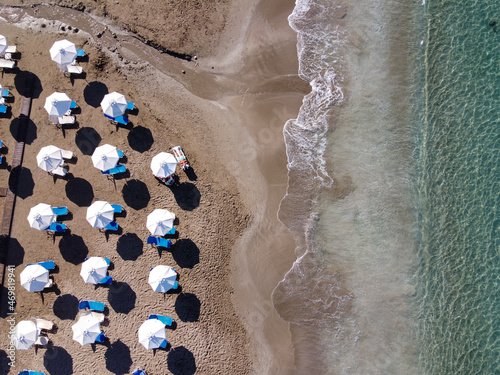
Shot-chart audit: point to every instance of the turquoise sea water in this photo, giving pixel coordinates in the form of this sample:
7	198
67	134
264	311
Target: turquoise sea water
459	274
398	232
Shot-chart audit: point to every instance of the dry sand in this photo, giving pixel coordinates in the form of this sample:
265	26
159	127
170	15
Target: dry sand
229	125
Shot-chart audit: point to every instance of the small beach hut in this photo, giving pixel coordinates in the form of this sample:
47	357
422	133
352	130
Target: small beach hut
163	165
100	214
41	216
49	158
159	222
162	278
94	269
114	104
105	157
25	335
34	278
3	44
86	329
152	334
57	104
63	52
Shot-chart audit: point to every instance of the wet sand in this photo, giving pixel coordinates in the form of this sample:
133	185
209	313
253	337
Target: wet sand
227	111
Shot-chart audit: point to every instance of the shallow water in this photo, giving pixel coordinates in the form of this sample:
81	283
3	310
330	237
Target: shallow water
397	227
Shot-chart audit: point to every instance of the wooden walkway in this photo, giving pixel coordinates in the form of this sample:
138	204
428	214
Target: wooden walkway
10	197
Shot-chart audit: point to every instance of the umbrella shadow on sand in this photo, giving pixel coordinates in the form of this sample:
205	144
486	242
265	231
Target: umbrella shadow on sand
66	307
21	182
187	307
187	195
181	361
94	92
185	253
4	362
58	361
87	140
26	133
79	191
136	194
118	359
129	246
73	249
121	297
28	84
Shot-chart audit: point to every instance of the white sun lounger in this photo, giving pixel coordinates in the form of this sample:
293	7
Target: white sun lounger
64	120
11	49
98	315
74	69
43	324
9	64
60	171
67	154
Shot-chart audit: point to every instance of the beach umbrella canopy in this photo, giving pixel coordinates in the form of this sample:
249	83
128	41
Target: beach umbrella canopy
100	214
152	333
163	164
162	278
86	329
49	158
94	269
114	104
41	216
57	104
159	222
3	44
105	157
63	52
25	334
34	278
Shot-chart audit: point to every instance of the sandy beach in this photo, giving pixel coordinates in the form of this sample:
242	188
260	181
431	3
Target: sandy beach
224	96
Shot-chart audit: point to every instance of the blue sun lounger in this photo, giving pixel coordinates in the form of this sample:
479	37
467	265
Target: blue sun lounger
80	53
120	168
3	108
5	93
130	106
60	211
91	305
107	280
139	372
158	241
31	373
117	207
49	265
121	120
164	319
112	226
100	338
57	227
163	344
120	153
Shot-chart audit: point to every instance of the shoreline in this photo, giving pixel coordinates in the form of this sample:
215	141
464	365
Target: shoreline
273	339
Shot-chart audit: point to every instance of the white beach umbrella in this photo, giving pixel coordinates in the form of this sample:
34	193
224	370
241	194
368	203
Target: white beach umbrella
57	104
105	157
25	334
100	214
152	333
114	104
34	278
63	52
162	278
163	164
86	329
49	158
94	269
41	216
3	44
159	222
